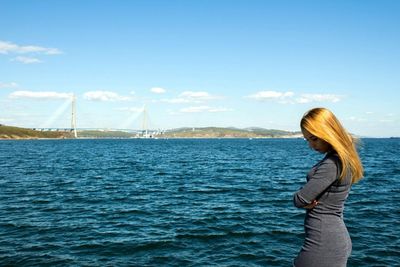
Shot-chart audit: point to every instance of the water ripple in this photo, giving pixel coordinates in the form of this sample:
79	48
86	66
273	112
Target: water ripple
180	202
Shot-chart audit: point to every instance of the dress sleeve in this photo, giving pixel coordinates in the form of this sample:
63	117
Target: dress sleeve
325	174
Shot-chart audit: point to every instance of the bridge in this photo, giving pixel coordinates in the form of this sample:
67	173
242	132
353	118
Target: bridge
55	129
144	132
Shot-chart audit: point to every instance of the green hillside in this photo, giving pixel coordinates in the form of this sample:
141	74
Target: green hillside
10	132
217	132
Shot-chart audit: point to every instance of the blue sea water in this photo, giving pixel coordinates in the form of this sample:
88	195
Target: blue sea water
175	202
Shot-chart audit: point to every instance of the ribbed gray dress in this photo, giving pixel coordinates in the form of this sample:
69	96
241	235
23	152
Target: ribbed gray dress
327	242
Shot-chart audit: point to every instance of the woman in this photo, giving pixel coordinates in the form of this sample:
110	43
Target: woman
327	242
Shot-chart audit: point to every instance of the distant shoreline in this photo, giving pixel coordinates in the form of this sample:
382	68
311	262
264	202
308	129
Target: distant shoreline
165	138
137	138
18	133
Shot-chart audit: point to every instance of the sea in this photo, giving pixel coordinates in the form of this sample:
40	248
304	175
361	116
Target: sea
181	202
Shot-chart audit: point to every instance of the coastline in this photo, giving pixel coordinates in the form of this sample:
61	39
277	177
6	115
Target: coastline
17	133
161	137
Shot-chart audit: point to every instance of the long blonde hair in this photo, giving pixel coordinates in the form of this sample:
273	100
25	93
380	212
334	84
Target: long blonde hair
323	124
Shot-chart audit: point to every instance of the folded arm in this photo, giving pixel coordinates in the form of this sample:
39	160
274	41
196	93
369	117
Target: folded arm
325	174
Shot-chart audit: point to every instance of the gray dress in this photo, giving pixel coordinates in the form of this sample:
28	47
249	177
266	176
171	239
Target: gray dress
327	242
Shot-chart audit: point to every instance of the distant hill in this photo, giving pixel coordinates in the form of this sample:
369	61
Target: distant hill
204	132
10	132
231	132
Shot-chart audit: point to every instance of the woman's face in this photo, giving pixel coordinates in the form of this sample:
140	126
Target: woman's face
315	143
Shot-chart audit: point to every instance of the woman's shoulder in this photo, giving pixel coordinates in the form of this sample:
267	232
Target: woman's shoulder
332	156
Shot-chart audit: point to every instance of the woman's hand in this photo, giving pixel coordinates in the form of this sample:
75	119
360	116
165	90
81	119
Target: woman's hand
312	205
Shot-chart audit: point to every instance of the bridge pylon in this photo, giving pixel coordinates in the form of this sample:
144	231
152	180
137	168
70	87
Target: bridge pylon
73	116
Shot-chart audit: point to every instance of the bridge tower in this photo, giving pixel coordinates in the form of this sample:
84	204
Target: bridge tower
145	123
73	115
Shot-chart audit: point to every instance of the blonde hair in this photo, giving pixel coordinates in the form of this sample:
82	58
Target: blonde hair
323	124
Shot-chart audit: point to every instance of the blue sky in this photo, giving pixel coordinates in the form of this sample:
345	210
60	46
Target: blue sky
200	63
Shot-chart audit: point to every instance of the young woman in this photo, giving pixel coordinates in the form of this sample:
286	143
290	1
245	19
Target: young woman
327	242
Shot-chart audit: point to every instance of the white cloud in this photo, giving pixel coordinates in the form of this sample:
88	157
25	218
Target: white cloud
158	90
199	109
271	95
197	96
40	95
26	60
104	96
290	97
356	119
10	48
10	85
6	47
308	98
191	97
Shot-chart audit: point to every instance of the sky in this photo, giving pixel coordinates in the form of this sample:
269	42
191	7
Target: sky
199	63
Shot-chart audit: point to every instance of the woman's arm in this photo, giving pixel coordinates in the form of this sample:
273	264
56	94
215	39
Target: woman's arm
325	174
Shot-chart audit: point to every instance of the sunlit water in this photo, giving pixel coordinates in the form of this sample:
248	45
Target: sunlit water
181	202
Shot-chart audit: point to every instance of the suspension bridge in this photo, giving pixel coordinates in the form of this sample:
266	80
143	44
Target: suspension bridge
144	132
